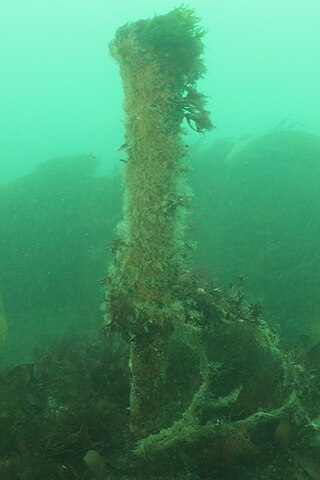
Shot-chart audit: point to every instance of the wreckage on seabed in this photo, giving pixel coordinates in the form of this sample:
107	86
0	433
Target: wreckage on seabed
212	395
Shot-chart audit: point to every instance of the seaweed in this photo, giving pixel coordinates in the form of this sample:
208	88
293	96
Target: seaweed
187	380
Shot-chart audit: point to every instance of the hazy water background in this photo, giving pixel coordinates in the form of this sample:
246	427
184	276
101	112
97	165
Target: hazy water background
61	93
255	216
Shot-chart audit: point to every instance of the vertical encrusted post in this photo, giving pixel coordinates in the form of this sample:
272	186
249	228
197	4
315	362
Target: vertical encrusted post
160	62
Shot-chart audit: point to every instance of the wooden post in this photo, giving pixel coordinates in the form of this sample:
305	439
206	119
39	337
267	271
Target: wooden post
160	62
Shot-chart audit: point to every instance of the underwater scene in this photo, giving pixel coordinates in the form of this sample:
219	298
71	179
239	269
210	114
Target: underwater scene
159	241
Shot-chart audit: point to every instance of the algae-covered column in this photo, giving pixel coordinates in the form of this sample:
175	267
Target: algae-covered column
160	62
